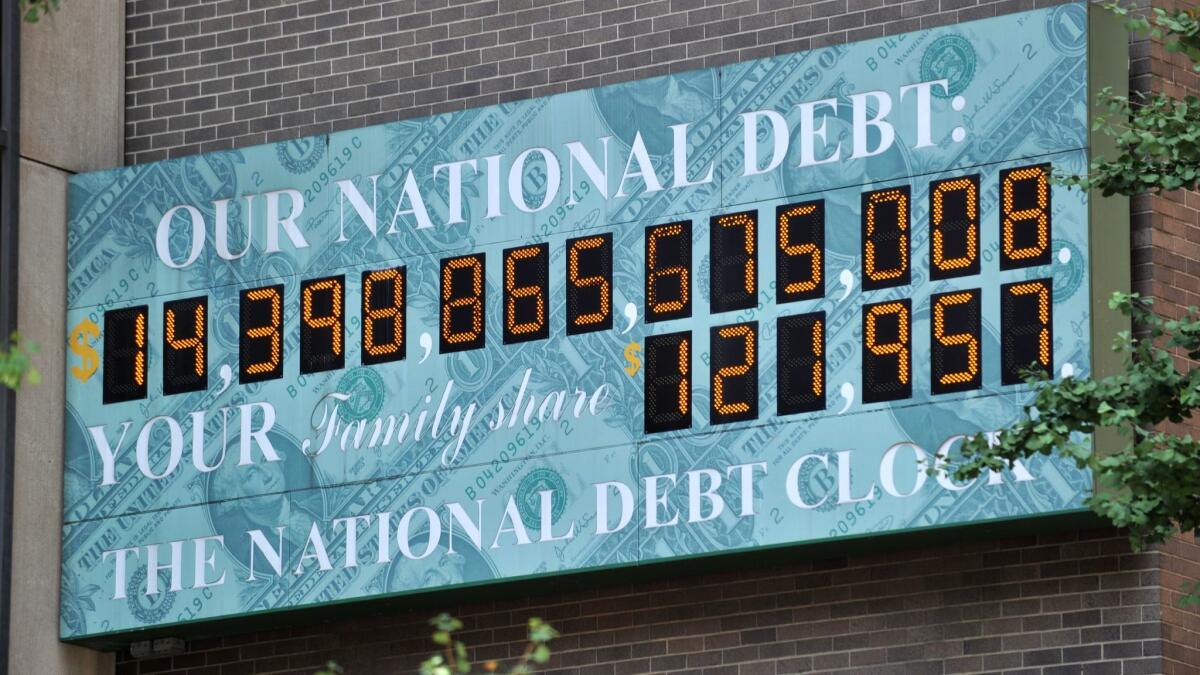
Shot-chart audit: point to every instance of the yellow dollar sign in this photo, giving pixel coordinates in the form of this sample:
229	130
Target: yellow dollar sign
631	355
81	343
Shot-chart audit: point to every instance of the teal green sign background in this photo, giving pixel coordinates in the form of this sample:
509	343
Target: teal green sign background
142	552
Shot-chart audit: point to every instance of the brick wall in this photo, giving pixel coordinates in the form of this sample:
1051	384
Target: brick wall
1166	258
1179	562
1166	229
205	75
1069	603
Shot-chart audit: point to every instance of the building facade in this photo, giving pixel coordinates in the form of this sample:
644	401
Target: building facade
202	76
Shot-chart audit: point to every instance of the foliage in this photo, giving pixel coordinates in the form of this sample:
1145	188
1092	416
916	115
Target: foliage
16	364
1180	29
33	10
453	659
1157	136
1149	485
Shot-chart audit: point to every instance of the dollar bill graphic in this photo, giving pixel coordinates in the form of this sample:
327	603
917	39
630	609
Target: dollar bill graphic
1035	116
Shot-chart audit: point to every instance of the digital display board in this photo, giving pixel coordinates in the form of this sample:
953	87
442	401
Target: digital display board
722	310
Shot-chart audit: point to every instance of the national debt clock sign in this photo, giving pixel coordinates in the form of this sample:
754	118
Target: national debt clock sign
722	310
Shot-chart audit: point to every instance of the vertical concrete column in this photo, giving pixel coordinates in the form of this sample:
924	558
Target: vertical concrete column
72	120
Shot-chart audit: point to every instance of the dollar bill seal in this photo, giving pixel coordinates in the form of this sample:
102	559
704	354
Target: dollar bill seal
950	58
149	609
1069	270
1066	28
529	498
366	390
299	156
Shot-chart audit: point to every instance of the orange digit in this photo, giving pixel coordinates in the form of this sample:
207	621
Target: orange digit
1039	213
957	339
1043	297
513	292
371	313
744	221
718	386
940	261
474	300
899	348
139	338
271	330
600	315
818	370
673	230
196	342
334	321
685	380
807	248
875	199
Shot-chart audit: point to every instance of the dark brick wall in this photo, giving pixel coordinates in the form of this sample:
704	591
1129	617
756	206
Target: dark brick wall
206	75
1179	562
1166	232
1070	603
1166	266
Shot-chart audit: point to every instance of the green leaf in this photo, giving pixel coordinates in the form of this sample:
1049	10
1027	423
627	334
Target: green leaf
445	622
541	632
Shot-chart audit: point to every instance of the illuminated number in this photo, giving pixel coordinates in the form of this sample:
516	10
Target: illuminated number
125	354
526	293
1025	217
885	238
322	324
1026	327
801	341
589	284
383	307
954	342
733	276
800	251
668	271
954	227
668	382
462	303
185	345
734	368
887	351
261	346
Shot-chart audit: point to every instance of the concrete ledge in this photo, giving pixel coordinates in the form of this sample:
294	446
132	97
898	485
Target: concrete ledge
73	86
38	470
